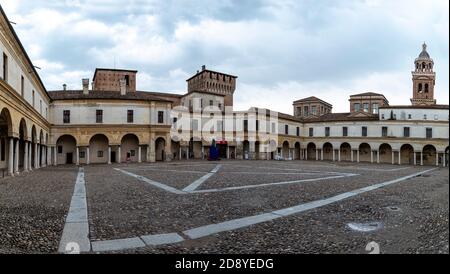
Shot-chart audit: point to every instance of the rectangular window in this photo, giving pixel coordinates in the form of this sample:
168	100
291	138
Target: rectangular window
99	116
160	117
286	129
364	131
257	125
357	107
60	149
409	116
375	108
211	103
100	154
298	131
314	110
306	112
40	106
127	80
345	131
66	116
220	106
22	86
5	67
132	153
33	98
245	125
195	125
384	131
82	154
429	133
175	119
273	128
130	116
366	107
382	116
327	132
311	132
406	132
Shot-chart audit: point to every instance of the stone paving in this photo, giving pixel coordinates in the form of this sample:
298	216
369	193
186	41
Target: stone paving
131	208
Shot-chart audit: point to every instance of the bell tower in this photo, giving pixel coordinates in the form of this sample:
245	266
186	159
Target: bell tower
423	79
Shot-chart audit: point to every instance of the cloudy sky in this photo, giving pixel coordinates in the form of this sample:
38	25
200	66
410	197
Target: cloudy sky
282	50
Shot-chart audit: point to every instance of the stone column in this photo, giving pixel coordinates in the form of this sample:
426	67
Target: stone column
140	154
49	155
55	156
152	150
421	158
78	156
109	154
415	158
228	152
25	157
119	151
393	157
30	152
378	156
400	157
11	157
306	154
339	155
357	156
16	157
321	154
351	155
317	154
203	152
334	155
437	158
179	155
88	156
371	156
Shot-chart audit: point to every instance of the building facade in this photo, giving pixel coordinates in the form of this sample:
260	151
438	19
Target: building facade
111	121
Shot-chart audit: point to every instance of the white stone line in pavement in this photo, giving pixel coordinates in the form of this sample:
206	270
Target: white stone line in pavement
168	170
377	169
153	183
136	242
207	230
201	180
76	228
272	184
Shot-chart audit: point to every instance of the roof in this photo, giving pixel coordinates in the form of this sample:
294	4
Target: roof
337	117
207	70
78	95
22	48
424	54
206	92
118	70
416	107
368	94
312	99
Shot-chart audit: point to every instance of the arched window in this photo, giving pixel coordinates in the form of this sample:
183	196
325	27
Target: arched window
424	65
420	87
426	88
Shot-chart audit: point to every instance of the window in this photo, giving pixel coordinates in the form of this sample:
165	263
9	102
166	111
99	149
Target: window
286	129
327	131
5	67
345	131
429	133
160	117
195	125
409	116
22	86
211	103
426	88
82	154
132	153
273	127
357	107
424	116
306	112
127	80
46	112
420	87
33	98
257	125
375	108
220	106
406	132
364	131
384	131
366	107
40	106
298	131
66	116
175	119
60	149
100	154
311	132
245	125
314	110
382	116
130	116
99	116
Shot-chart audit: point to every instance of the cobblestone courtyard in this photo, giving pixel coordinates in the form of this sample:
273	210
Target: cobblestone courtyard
227	207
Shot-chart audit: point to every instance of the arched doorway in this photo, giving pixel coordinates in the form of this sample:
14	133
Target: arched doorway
246	150
385	152
346	152
285	150
429	155
98	149
176	150
273	146
311	149
160	147
364	152
297	151
328	151
129	148
5	131
407	154
23	136
66	148
34	141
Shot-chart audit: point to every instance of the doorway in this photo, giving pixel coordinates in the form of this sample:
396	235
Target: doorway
69	158
113	156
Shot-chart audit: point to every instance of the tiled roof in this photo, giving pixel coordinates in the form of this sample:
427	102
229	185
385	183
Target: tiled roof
336	117
311	98
368	94
417	107
78	95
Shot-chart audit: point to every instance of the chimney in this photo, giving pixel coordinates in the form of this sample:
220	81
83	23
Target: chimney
203	67
123	86
85	86
64	87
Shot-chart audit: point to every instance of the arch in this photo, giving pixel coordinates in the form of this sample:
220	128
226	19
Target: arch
6	123
129	148
23	137
98	149
297	151
311	150
160	146
429	155
364	152
327	151
23	129
66	147
407	154
426	88
246	149
385	151
420	87
345	151
285	150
